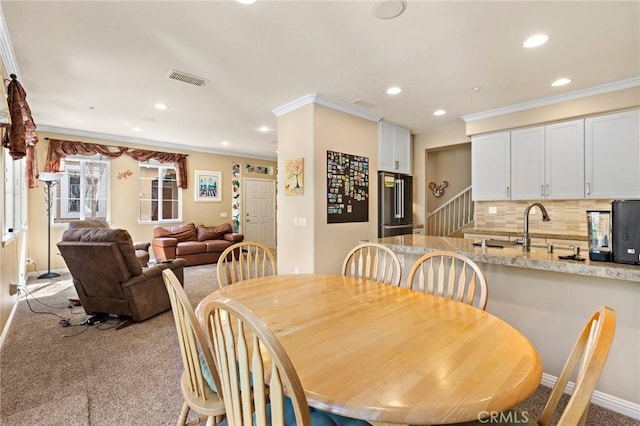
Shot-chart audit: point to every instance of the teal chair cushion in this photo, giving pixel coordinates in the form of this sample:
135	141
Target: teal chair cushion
207	374
318	417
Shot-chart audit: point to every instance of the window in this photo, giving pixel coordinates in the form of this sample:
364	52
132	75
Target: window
15	196
82	193
160	199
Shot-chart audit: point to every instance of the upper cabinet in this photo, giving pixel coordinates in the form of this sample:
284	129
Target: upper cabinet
612	153
394	148
490	167
547	162
596	157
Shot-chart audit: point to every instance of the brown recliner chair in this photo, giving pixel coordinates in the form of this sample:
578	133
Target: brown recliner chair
141	248
109	278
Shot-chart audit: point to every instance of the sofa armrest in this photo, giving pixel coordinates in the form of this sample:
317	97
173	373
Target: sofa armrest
141	245
164	248
234	238
156	270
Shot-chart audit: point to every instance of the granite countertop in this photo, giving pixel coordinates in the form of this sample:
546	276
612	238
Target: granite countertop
518	234
537	258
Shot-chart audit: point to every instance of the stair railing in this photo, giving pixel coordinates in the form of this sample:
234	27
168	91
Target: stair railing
451	216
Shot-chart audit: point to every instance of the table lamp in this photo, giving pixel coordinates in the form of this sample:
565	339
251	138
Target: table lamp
49	179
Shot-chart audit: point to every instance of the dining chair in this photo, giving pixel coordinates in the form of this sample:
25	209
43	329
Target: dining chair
260	385
243	261
585	363
373	261
451	275
199	378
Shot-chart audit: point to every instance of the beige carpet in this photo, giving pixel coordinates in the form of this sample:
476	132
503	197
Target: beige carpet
97	376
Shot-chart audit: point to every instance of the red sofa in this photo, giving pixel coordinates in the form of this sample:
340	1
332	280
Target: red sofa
197	245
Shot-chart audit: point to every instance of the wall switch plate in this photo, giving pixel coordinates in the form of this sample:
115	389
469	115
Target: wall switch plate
493	210
223	214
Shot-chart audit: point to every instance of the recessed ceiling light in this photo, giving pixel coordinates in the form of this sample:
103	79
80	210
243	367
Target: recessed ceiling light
247	1
136	129
439	112
477	88
535	40
225	143
561	82
393	90
161	106
263	129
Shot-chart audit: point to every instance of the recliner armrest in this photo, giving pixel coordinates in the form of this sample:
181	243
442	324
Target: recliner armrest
141	245
165	241
234	238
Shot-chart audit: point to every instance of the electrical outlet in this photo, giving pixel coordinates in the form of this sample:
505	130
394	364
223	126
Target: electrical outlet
30	261
13	289
493	210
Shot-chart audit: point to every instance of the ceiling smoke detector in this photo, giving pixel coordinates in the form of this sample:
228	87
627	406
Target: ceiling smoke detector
188	78
389	9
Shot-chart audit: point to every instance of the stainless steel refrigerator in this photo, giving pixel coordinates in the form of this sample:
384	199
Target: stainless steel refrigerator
395	204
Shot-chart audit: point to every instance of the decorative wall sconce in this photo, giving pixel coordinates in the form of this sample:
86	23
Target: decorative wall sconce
438	190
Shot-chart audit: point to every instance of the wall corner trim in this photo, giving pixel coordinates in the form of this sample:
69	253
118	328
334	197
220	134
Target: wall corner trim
6	48
583	93
323	100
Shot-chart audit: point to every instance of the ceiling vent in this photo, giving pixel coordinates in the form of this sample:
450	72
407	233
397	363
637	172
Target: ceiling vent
188	78
362	103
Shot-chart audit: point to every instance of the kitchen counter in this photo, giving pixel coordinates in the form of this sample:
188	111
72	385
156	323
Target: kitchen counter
537	258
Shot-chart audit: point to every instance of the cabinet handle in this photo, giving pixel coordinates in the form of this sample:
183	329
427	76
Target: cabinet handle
397	164
547	190
588	188
542	190
508	192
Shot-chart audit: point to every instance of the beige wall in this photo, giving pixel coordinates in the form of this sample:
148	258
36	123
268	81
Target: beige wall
423	142
590	105
124	198
452	164
309	132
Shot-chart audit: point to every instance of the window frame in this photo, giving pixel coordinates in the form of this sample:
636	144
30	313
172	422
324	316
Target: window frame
160	167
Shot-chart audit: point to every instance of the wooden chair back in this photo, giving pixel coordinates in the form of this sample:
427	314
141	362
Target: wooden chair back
587	360
193	346
373	261
245	260
449	275
254	368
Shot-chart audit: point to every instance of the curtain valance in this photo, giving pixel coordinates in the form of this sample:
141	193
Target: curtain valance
59	149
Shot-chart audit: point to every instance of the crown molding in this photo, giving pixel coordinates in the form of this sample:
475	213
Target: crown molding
148	142
605	88
323	100
6	48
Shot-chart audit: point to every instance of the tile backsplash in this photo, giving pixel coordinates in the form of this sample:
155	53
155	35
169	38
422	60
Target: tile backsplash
567	216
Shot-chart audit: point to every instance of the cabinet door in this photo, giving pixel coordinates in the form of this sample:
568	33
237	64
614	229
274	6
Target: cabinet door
527	164
490	166
564	160
402	144
612	155
386	160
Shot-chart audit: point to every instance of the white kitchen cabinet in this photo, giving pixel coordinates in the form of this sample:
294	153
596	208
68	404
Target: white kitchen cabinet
612	155
491	166
547	162
394	148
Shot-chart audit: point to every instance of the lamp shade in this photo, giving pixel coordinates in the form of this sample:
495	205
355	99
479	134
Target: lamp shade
50	176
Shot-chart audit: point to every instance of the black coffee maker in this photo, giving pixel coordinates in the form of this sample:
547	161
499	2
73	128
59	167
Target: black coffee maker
625	229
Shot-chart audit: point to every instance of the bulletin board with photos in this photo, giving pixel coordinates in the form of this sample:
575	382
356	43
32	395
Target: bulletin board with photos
347	188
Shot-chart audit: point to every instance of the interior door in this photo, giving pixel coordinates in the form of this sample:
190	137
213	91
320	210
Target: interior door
259	211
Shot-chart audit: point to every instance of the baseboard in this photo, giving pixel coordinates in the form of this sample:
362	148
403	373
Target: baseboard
610	402
5	330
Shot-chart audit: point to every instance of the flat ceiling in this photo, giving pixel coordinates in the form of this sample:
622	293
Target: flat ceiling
99	67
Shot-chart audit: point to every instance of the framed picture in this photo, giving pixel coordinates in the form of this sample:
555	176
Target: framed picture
294	183
208	186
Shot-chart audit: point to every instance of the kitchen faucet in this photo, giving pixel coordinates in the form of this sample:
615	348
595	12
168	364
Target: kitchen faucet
526	241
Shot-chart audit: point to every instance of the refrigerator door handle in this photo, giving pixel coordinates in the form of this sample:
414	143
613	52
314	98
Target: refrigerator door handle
399	199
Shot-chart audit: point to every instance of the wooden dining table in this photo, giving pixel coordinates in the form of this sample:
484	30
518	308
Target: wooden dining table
387	354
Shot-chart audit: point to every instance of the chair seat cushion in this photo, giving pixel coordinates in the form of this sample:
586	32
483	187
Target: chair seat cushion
318	417
215	246
190	247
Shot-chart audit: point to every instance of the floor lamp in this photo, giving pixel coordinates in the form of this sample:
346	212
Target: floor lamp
50	179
